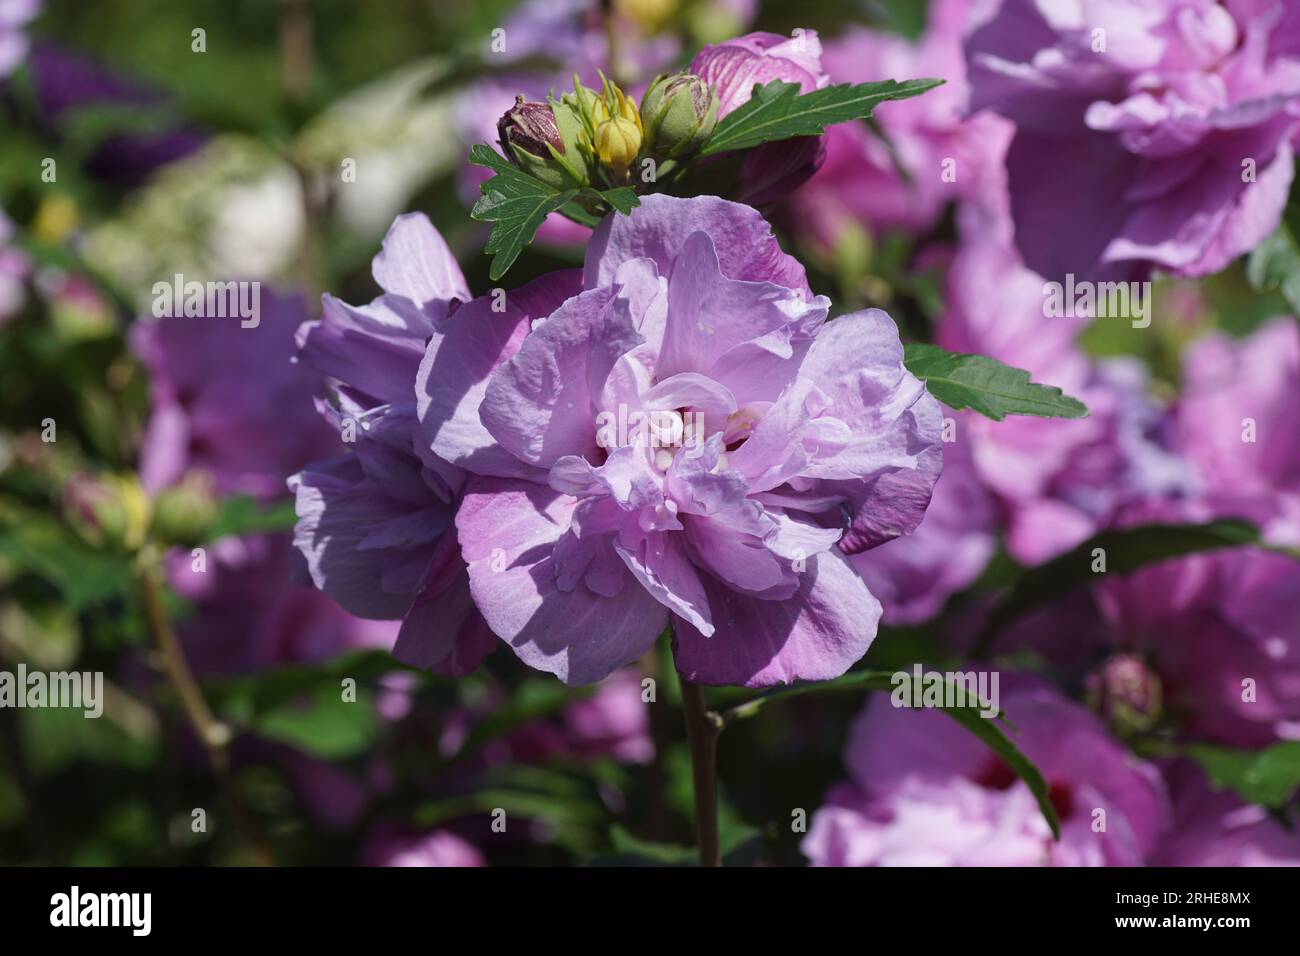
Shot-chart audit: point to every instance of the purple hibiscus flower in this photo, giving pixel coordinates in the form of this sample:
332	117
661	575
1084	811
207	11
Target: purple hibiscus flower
1209	642
1056	481
390	845
228	403
678	434
1149	133
1220	629
944	154
914	575
1237	421
732	69
1216	829
219	394
924	792
252	611
66	82
375	523
613	722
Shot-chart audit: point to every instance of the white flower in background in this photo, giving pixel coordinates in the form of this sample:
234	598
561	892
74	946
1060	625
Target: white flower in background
377	147
258	225
232	211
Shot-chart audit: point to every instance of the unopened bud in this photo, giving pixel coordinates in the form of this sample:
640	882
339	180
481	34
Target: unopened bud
185	512
678	113
1126	693
618	140
531	138
107	509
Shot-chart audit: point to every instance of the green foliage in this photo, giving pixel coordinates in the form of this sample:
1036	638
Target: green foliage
985	385
1270	777
777	111
1126	550
987	730
1275	263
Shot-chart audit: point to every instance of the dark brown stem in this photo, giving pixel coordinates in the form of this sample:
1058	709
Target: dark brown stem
702	728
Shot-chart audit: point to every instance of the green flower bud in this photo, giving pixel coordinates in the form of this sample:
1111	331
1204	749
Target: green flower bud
678	114
587	106
185	512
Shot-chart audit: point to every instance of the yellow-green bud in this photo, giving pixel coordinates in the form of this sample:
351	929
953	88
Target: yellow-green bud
618	140
108	510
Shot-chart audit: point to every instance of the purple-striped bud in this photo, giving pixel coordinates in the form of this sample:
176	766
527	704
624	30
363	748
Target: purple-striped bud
531	138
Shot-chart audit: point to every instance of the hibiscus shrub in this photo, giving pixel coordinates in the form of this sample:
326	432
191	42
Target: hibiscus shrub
851	442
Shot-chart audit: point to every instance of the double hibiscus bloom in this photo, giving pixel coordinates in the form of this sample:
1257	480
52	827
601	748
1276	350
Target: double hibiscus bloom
482	498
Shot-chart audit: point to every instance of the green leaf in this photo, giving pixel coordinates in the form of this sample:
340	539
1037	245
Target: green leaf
273	688
1269	777
777	111
1275	264
325	725
302	704
244	515
571	210
969	716
516	204
1126	550
565	798
630	850
633	851
621	199
83	575
985	385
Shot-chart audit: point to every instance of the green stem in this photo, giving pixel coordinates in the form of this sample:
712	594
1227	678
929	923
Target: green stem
212	733
702	729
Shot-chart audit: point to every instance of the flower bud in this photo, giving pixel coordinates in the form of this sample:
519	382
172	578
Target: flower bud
608	127
678	114
531	139
185	512
1126	693
618	140
107	510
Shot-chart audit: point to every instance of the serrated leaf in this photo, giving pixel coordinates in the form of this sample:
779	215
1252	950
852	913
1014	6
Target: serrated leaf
621	199
571	210
986	729
516	204
1269	777
985	385
777	111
